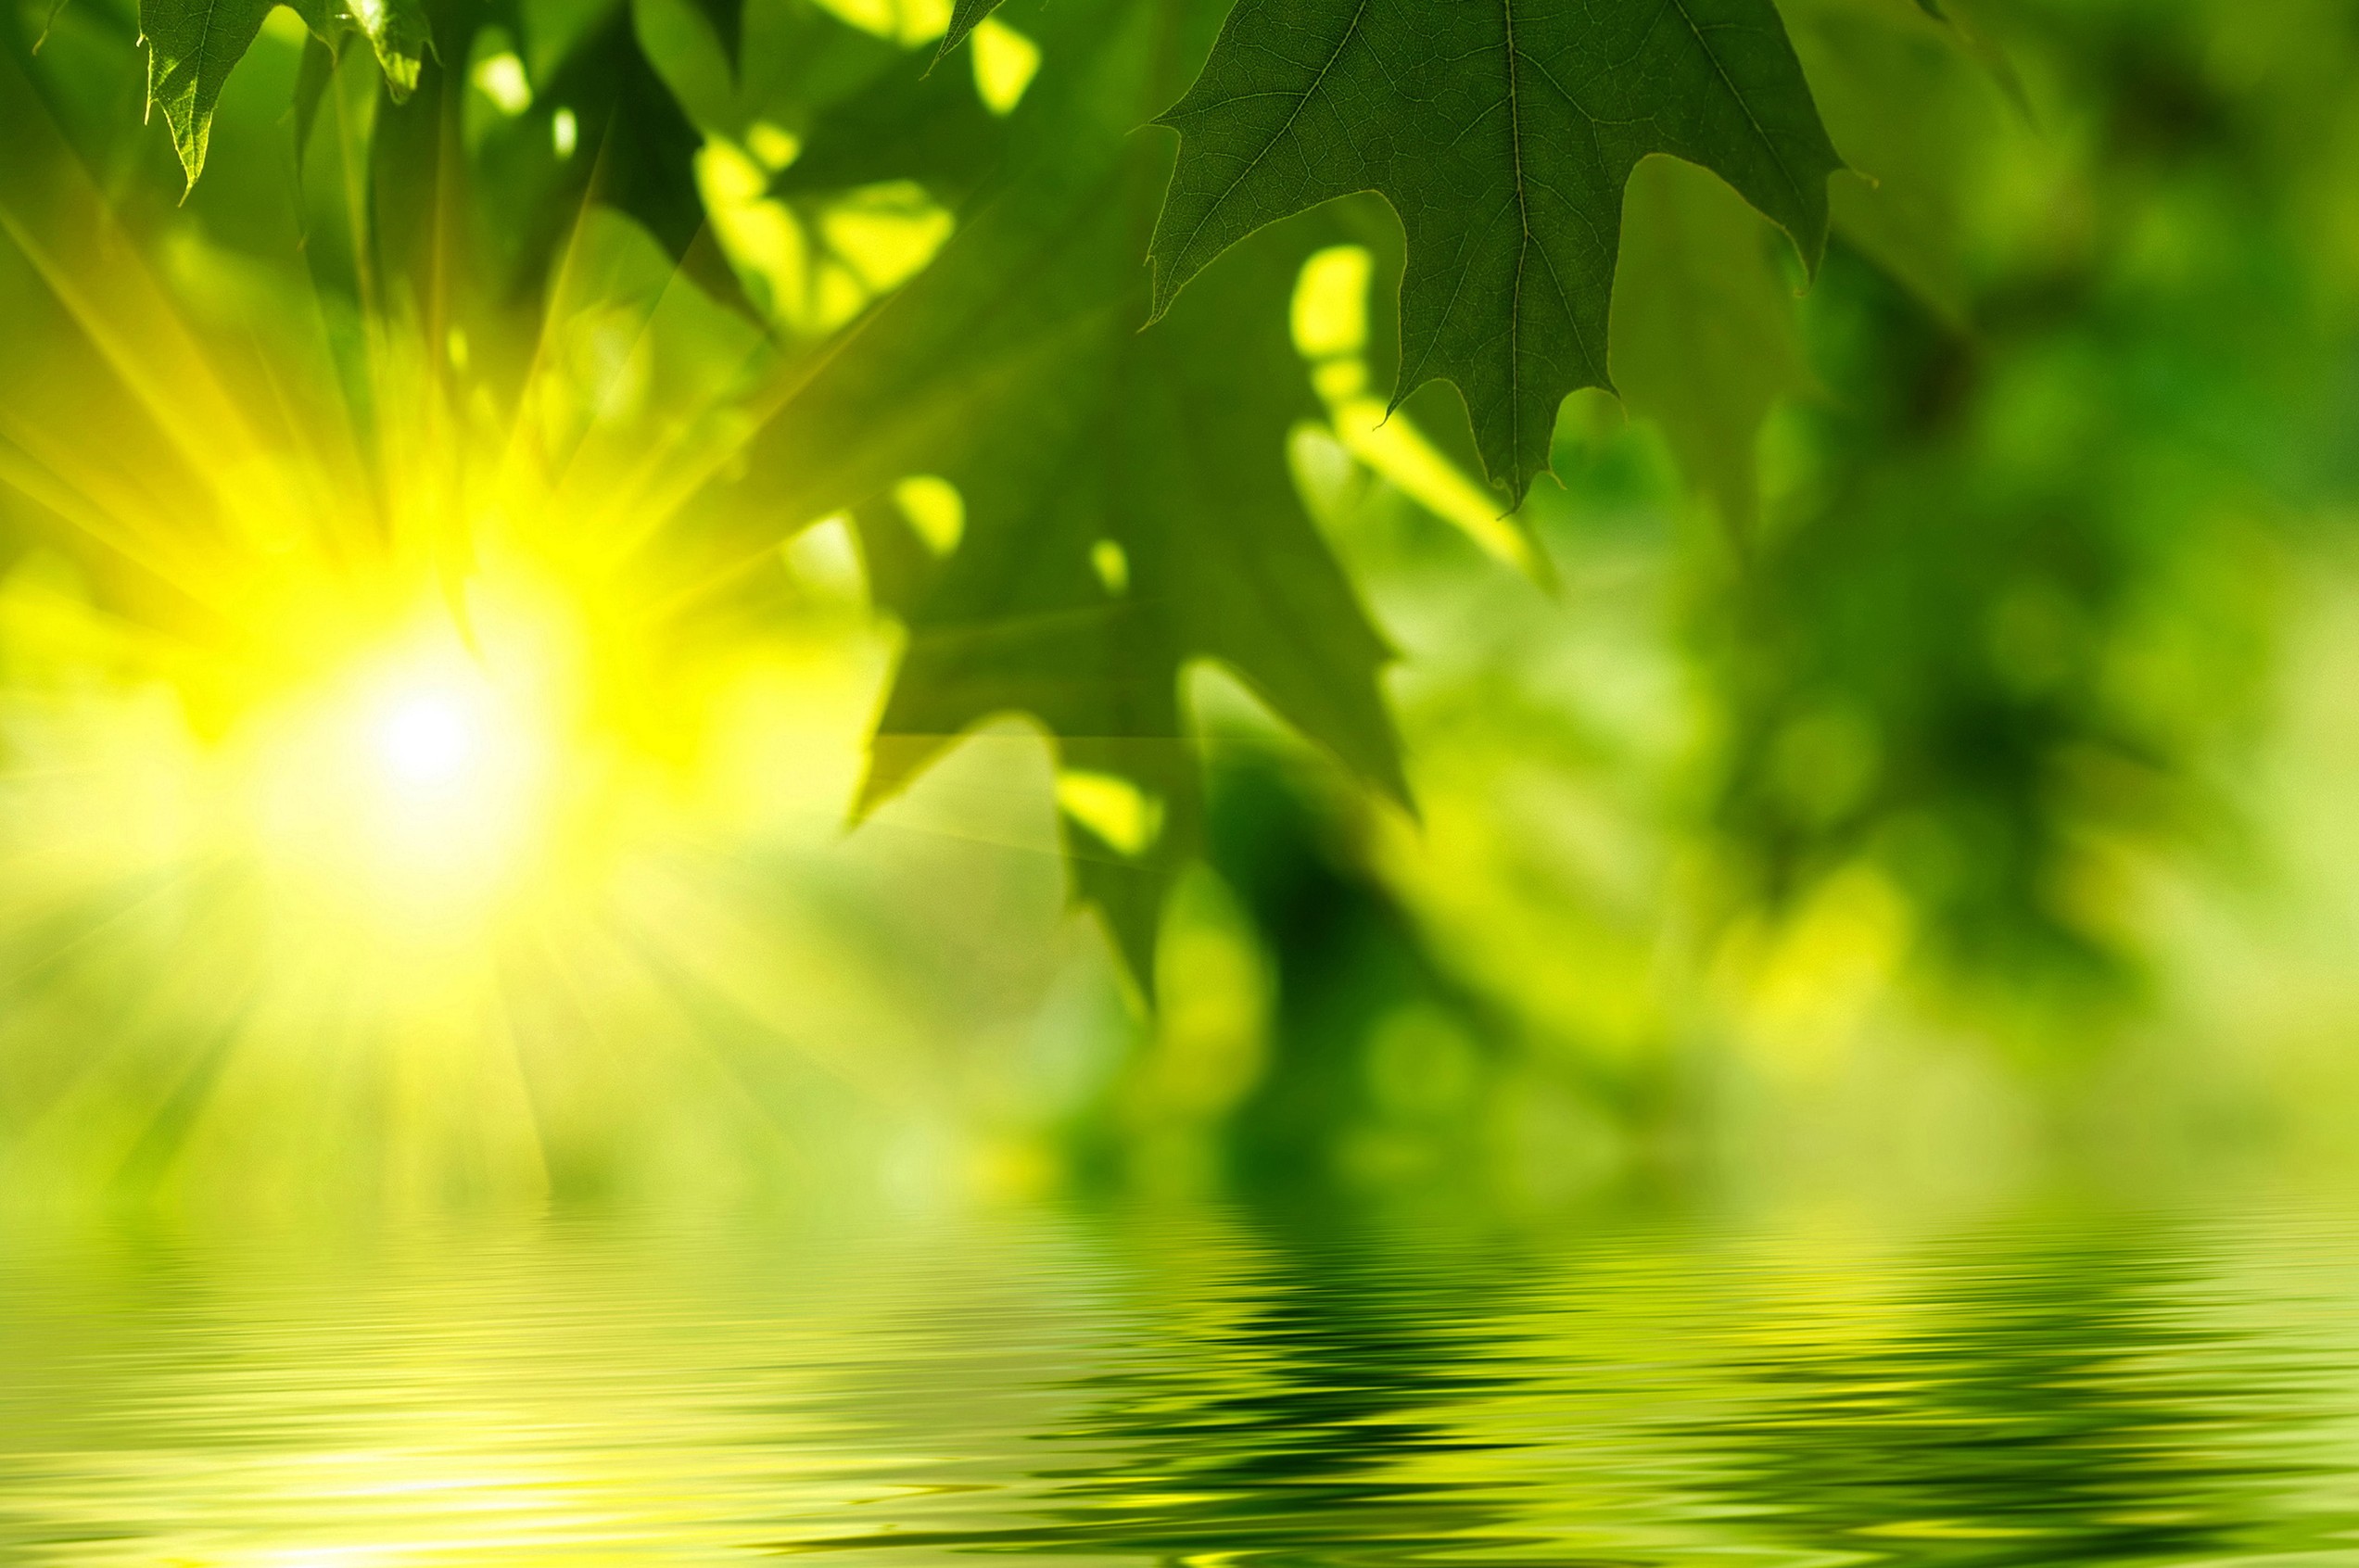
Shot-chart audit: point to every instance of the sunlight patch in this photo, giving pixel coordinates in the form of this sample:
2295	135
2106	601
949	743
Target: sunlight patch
934	508
1112	807
501	79
907	22
1112	564
1005	61
1330	324
816	268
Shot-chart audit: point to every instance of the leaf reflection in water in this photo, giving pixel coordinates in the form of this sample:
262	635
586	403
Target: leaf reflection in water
1200	1390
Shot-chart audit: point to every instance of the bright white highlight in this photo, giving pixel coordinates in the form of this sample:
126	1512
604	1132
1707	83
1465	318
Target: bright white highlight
412	794
430	740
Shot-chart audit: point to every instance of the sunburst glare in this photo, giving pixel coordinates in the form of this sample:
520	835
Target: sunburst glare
384	807
428	740
416	785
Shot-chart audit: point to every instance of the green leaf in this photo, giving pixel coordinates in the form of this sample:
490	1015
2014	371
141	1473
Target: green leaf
194	44
312	80
1966	23
1910	102
727	19
192	47
1502	136
965	17
1705	338
1128	507
636	151
398	33
930	127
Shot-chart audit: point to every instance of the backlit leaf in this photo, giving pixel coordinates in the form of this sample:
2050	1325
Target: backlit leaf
1128	509
1705	337
192	47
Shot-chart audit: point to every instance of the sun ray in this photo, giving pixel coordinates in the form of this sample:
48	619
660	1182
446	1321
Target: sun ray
386	774
62	225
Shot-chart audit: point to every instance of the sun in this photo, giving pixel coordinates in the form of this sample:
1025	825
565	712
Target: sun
397	749
441	754
431	740
415	787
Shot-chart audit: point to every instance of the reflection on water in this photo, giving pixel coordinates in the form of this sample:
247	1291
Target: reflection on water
1196	1392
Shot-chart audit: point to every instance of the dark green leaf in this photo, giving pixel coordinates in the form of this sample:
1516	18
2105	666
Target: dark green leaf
1128	506
965	17
636	151
926	126
1503	137
728	18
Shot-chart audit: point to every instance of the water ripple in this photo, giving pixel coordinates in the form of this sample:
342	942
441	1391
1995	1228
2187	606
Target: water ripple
1206	1394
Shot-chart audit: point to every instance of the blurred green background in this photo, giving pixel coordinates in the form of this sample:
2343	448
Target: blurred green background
1976	808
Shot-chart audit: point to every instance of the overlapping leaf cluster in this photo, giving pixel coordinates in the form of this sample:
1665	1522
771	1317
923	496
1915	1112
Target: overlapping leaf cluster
1115	434
194	44
1129	509
637	145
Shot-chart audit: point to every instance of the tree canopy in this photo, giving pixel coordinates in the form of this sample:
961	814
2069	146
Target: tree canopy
1106	388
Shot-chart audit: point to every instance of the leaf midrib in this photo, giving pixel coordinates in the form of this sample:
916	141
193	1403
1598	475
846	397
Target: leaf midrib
1523	251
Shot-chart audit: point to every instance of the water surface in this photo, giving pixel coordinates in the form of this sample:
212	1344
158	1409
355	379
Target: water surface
1207	1392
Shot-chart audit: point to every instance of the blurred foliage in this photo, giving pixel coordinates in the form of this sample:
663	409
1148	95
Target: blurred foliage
1908	735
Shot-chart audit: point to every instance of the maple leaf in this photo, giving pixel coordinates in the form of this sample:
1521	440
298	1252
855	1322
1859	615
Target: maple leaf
1706	333
1502	136
603	127
930	127
645	149
1128	509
